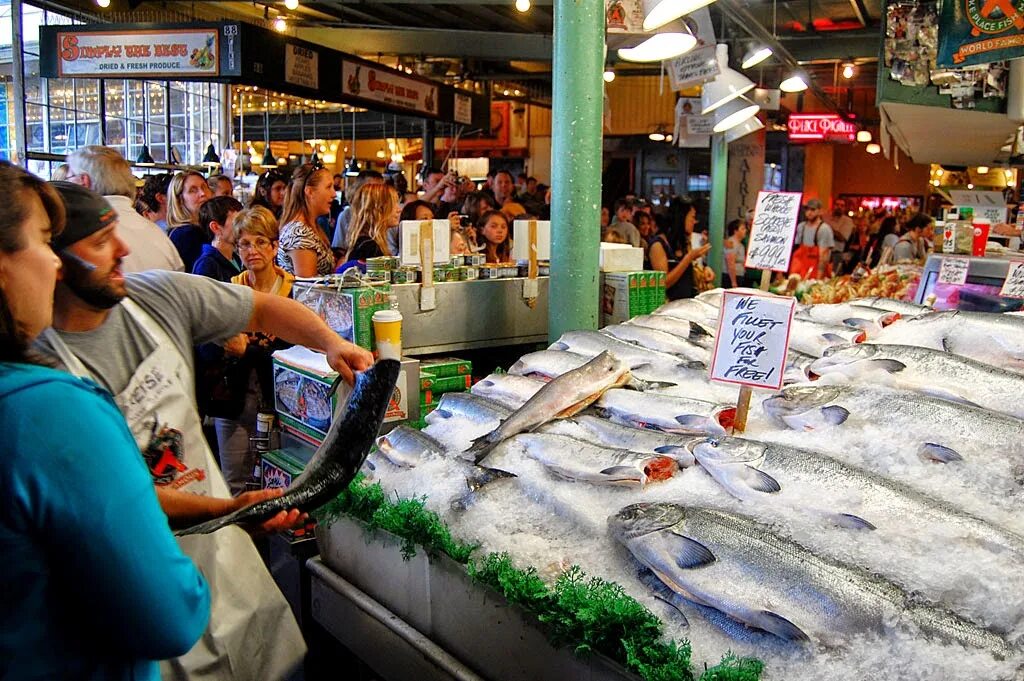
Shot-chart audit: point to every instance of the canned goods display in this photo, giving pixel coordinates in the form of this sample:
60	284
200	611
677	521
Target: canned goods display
476	259
490	272
380	276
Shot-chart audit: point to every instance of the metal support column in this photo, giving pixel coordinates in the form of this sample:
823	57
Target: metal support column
103	110
716	218
576	144
18	82
429	140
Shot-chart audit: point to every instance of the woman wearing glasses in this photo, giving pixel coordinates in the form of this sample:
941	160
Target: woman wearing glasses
304	248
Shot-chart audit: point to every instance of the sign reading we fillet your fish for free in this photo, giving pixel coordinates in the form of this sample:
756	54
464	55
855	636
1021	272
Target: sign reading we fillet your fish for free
752	339
772	230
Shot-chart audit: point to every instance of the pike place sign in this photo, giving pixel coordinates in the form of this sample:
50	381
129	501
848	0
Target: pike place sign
820	128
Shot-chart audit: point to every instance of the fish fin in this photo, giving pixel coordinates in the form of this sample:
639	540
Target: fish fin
335	384
693	364
948	396
683	457
628	472
760	481
833	338
482	475
862	324
851	522
209	526
891	366
558	345
662	592
835	415
486	382
939	453
667	449
644	386
437	415
740	479
779	625
479	449
698	330
700	424
690	553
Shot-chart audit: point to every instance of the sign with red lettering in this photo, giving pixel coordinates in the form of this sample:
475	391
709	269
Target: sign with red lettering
820	128
383	85
138	54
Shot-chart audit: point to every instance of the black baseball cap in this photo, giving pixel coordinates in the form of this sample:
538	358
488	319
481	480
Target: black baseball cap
87	213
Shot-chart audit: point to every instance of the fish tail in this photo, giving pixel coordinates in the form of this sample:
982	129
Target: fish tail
209	526
479	450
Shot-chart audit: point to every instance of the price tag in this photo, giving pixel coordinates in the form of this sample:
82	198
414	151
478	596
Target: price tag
773	230
1013	287
954	271
752	339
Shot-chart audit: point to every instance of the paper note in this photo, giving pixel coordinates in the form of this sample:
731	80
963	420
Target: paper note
772	230
752	339
1013	287
954	271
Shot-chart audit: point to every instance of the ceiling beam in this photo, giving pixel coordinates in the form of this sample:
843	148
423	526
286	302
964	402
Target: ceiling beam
433	42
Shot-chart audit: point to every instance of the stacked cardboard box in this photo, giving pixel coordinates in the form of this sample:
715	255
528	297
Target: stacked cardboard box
348	311
439	376
625	295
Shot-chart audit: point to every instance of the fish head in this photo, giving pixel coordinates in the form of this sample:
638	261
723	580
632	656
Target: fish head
726	449
842	359
806	407
607	369
637	520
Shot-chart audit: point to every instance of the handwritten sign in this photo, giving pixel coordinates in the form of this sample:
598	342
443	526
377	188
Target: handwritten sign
1013	287
954	271
772	230
752	339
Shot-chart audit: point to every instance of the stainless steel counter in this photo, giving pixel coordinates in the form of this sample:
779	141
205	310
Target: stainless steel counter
472	314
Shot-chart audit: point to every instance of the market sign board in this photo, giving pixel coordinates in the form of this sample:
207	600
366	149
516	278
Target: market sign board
138	54
752	339
974	32
820	128
699	65
772	230
302	66
1013	285
384	86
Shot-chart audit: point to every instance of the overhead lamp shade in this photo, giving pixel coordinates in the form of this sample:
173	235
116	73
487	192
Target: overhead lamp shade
314	160
752	124
145	158
268	158
734	112
795	83
657	13
727	85
352	169
863	135
211	158
756	54
670	42
873	148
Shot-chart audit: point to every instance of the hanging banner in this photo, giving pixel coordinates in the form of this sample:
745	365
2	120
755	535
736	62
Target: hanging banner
746	175
383	85
137	54
691	129
973	32
463	109
301	66
699	65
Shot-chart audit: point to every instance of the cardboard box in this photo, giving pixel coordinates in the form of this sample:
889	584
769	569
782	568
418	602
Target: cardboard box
426	381
452	384
625	295
621	258
445	367
348	311
302	379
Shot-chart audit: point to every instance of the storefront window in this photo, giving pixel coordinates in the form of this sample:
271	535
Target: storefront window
62	114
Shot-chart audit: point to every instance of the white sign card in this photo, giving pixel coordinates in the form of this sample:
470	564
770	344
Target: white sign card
301	66
752	339
700	64
1013	287
773	230
463	109
521	239
954	270
410	240
688	120
138	54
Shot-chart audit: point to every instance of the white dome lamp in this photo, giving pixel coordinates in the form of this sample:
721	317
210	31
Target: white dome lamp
660	12
752	124
727	85
737	110
670	41
796	82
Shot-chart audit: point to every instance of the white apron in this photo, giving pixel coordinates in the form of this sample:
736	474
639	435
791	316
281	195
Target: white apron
252	633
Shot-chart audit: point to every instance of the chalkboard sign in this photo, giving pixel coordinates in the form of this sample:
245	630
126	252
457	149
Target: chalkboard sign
1013	287
954	271
772	230
752	339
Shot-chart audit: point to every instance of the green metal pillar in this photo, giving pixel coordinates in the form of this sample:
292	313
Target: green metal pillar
716	217
576	143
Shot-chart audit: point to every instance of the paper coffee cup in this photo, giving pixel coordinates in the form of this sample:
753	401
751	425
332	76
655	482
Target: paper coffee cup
980	242
387	327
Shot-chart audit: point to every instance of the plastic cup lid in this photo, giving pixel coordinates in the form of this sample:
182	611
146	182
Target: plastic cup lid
387	316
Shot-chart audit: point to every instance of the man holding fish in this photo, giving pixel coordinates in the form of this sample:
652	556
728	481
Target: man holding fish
134	335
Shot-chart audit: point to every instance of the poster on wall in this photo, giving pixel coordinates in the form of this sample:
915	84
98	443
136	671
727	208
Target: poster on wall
699	65
624	16
691	129
138	54
364	81
973	32
301	66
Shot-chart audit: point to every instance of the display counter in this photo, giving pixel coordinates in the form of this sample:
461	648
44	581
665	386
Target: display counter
472	314
985	276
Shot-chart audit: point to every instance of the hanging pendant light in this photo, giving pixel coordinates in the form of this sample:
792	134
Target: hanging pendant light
353	166
211	159
755	54
796	82
659	12
668	42
752	124
863	135
727	85
734	112
268	157
145	158
873	148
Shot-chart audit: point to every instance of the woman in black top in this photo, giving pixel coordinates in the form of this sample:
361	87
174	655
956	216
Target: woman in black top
270	191
374	210
188	192
671	252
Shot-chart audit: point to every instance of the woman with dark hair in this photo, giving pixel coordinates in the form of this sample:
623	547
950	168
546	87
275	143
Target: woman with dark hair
152	199
304	248
270	191
671	252
494	235
734	255
94	584
886	237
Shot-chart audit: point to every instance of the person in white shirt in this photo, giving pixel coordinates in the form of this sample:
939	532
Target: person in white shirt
105	171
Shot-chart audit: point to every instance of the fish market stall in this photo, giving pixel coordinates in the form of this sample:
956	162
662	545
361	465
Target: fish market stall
866	523
980	289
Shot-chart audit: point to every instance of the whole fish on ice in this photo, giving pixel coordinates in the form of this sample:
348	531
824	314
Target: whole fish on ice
746	571
554	363
814	338
593	343
580	461
699	334
904	308
996	339
337	459
613	435
660	341
509	389
667	413
868	319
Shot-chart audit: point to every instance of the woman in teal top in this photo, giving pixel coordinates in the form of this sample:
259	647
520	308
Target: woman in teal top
94	585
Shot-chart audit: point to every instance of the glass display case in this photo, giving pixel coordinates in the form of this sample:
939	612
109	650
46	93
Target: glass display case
980	293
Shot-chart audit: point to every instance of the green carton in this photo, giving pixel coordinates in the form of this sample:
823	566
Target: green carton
426	381
452	384
446	367
348	311
625	295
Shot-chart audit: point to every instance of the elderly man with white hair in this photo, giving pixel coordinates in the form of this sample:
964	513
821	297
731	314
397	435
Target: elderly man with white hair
105	171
